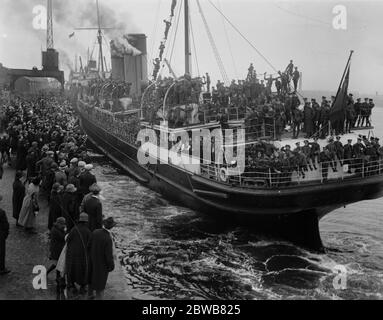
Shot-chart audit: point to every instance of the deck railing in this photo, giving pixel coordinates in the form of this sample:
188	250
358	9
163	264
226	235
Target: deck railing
279	177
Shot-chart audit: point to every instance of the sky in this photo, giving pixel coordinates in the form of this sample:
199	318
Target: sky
280	30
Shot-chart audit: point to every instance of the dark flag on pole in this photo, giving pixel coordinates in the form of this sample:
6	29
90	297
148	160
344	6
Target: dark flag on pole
71	35
337	112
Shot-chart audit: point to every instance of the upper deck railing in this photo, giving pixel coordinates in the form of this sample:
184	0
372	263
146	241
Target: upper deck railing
280	177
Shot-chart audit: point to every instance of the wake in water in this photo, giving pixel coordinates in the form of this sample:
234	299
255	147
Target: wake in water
171	252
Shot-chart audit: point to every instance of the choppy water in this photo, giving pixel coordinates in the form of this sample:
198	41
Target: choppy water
171	252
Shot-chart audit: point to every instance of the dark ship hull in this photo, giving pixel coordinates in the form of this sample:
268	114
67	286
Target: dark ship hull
291	213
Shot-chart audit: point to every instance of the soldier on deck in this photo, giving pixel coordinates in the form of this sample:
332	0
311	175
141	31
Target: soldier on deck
306	149
316	110
296	76
332	153
339	150
297	119
315	151
167	28
348	154
350	117
308	119
325	160
290	68
357	108
358	152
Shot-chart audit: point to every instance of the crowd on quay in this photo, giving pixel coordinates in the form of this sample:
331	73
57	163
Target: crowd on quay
44	142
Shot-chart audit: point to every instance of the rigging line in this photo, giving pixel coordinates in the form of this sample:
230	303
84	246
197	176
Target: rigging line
214	47
228	43
175	34
154	32
194	47
243	37
302	16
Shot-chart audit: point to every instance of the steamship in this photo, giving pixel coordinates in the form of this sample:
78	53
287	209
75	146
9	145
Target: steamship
285	205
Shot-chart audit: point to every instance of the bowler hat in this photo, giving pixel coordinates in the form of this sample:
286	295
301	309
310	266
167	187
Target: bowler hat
70	188
88	167
56	186
61	220
81	164
83	217
95	188
109	223
74	160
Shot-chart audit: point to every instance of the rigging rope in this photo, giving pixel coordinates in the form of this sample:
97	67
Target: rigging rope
243	37
154	32
214	47
194	47
228	43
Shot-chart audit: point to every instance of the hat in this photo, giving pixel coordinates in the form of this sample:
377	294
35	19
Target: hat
56	186
95	188
88	167
83	217
63	164
70	188
74	160
45	148
81	164
61	220
19	174
54	165
50	153
359	138
109	223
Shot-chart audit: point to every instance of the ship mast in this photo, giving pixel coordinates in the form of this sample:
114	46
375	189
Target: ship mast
187	39
99	38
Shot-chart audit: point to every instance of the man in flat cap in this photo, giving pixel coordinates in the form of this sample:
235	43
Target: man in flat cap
102	258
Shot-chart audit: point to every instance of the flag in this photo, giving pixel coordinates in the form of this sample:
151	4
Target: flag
338	108
71	35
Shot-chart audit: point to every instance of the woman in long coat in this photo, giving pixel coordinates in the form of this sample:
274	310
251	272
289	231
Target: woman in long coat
30	208
70	206
77	256
17	196
55	205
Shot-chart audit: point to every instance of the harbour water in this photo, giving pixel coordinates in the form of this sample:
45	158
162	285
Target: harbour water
171	252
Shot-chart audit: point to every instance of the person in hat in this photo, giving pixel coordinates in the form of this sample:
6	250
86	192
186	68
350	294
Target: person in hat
73	169
55	204
57	241
56	246
30	207
339	150
45	163
348	154
93	207
60	175
17	196
77	257
86	179
70	206
102	258
358	150
4	232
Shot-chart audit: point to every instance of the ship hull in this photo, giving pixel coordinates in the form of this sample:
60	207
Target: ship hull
291	213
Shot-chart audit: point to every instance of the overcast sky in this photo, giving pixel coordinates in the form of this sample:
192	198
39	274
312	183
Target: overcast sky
280	30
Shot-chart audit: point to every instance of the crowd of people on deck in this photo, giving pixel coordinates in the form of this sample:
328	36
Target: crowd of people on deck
272	101
45	144
264	158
